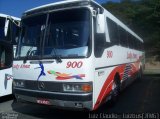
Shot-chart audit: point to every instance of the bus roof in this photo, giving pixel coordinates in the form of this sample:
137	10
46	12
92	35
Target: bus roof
55	3
73	1
5	16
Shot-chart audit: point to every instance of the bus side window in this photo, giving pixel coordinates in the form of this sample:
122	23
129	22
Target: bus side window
141	46
135	43
129	40
123	37
5	57
113	31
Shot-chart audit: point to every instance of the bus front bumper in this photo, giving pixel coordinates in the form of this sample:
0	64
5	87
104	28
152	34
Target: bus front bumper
56	99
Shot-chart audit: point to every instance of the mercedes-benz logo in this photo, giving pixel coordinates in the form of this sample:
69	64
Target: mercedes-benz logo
41	85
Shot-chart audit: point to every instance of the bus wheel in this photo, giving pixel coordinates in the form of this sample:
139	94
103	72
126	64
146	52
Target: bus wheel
115	89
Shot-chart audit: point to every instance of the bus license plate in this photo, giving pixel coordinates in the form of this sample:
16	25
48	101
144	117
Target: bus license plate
43	101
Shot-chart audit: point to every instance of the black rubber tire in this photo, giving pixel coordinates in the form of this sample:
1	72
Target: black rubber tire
116	91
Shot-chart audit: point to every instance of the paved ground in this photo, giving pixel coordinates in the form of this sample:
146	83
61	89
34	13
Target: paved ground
152	71
142	98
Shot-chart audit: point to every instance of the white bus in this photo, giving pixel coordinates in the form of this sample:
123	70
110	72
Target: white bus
9	29
75	54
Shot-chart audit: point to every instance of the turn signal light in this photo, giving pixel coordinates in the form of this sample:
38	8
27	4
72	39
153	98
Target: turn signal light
87	88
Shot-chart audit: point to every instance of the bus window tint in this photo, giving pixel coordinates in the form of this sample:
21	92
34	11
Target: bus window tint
5	57
2	24
129	40
15	33
33	29
113	31
123	37
134	43
69	35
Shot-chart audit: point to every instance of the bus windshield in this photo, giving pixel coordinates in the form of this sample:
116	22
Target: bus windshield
2	24
12	31
63	33
33	29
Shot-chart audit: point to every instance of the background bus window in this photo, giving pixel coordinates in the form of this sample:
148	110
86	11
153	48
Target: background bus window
15	33
5	57
113	31
2	24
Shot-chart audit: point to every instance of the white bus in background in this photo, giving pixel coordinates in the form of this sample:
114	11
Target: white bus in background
75	54
9	29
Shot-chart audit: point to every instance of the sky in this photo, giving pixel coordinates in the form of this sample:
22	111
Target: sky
17	7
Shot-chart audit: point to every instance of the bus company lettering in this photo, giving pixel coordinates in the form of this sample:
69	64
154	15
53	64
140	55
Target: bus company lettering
131	55
24	66
17	66
109	54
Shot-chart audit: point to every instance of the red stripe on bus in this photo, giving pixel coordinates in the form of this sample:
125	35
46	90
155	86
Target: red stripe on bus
120	70
105	92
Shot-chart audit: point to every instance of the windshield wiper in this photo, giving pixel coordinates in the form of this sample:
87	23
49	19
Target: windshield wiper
27	55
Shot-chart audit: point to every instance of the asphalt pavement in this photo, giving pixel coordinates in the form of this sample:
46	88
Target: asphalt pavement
139	100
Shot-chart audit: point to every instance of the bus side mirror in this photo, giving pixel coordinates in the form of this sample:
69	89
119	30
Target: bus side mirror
100	23
6	27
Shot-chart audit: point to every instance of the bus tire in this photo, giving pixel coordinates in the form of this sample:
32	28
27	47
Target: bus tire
115	89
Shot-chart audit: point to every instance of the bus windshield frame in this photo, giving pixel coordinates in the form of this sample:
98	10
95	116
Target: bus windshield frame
63	33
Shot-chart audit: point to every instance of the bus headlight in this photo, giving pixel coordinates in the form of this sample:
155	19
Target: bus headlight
18	84
77	87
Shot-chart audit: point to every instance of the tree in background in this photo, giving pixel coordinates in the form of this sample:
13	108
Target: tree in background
143	17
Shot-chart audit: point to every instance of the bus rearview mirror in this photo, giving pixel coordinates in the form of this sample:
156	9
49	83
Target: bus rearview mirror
100	23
